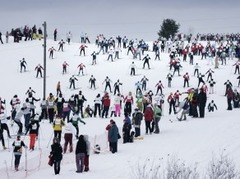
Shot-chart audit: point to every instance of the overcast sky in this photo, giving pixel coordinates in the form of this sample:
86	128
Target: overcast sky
133	18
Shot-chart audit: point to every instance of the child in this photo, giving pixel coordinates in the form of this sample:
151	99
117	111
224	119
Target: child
211	106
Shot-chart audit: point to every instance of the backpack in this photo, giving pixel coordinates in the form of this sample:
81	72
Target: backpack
185	106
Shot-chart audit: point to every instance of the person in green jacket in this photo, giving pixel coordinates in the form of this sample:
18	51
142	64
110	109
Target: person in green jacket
74	120
157	116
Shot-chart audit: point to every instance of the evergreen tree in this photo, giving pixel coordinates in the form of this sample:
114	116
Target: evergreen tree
168	29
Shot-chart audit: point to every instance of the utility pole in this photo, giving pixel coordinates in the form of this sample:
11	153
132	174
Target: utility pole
44	58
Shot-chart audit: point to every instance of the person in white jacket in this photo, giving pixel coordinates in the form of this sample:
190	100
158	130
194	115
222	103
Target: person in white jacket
23	110
69	131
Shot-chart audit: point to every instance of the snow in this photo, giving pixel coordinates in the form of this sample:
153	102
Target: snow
193	141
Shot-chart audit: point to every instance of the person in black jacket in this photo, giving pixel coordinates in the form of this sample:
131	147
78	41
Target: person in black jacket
18	144
56	153
81	151
202	99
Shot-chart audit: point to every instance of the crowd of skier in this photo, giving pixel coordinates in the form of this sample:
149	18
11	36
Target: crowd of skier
136	107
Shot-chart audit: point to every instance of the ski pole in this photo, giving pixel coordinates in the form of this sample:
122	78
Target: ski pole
39	147
12	159
26	161
50	140
6	169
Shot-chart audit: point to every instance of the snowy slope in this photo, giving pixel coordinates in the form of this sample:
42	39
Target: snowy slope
194	140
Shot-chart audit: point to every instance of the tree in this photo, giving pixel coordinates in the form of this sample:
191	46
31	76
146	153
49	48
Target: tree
168	29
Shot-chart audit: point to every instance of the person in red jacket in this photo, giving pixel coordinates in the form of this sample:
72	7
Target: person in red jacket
82	49
106	104
148	116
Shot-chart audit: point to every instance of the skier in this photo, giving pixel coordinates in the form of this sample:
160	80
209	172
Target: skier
191	58
23	65
106	102
43	106
230	95
117	51
30	91
56	153
68	137
117	87
157	116
144	83
184	108
110	54
72	82
2	136
186	80
51	107
211	106
74	120
30	99
69	36
86	159
137	117
177	67
80	152
92	81
18	144
82	49
113	137
58	124
59	101
107	82
1	37
39	69
58	88
237	64
148	116
202	99
159	86
94	58
157	53
200	79
196	69
133	68
238	80
127	126
209	72
23	110
80	100
4	123
97	105
146	61
128	100
55	35
211	84
15	104
172	101
33	128
169	78
51	51
117	104
66	110
61	43
88	111
64	67
228	84
81	66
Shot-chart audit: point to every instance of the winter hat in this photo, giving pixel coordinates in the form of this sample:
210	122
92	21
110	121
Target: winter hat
111	121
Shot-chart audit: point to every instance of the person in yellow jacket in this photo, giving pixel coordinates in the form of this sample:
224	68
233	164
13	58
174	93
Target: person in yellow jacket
58	123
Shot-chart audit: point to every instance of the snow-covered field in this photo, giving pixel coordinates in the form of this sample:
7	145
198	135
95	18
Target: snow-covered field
194	141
